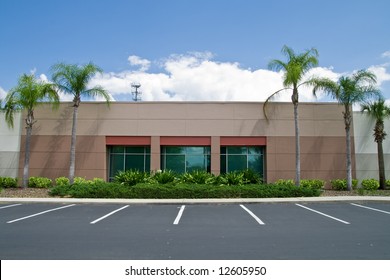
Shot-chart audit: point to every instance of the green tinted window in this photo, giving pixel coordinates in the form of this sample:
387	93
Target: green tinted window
223	163
236	150
175	163
235	158
117	149
116	164
197	163
174	150
135	162
197	150
135	150
254	150
183	159
123	158
237	163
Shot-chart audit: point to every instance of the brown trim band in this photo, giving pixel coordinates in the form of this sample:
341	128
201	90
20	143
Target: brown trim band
127	140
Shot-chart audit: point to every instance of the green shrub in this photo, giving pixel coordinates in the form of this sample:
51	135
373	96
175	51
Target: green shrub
234	178
8	182
131	177
79	180
180	190
387	183
165	177
197	177
97	180
283	182
252	177
62	181
305	183
370	184
312	183
341	184
39	182
60	190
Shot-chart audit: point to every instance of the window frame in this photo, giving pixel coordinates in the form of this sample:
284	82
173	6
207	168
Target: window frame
146	157
186	153
224	157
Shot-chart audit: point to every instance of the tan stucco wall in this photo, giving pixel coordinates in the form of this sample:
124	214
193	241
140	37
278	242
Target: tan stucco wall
321	124
366	148
10	146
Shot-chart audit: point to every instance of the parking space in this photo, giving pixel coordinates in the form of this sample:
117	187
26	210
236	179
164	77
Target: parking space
338	230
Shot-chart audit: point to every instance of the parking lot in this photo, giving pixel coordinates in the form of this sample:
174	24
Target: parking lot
318	230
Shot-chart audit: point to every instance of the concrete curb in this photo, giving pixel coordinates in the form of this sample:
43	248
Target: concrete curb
197	201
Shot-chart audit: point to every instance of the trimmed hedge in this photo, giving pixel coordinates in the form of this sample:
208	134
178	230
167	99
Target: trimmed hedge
370	184
62	181
39	182
341	184
180	190
305	183
8	182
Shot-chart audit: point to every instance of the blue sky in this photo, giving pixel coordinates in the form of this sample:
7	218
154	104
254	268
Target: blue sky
192	49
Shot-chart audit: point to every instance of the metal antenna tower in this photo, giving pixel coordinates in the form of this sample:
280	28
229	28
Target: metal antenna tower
136	92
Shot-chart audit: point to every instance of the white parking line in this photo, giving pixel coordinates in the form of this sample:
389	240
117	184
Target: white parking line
40	213
374	209
109	214
178	217
323	214
253	215
12	205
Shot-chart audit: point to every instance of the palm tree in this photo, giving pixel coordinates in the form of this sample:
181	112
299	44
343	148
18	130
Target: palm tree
28	94
73	79
295	68
379	111
348	91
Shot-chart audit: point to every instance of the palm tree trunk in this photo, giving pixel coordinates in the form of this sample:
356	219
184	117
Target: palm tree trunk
27	156
349	161
297	141
73	146
348	121
381	165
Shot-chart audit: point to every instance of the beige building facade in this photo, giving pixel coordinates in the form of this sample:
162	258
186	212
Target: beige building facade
366	148
10	146
215	136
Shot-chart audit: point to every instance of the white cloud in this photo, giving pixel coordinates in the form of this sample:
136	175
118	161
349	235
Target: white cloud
43	78
194	77
197	77
386	54
381	73
3	93
143	64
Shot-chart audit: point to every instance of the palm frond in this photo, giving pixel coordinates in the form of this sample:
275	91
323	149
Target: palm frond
376	109
364	76
272	96
296	66
277	65
74	79
326	85
28	94
10	108
289	52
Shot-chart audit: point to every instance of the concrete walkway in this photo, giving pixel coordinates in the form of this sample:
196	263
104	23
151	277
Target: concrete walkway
197	201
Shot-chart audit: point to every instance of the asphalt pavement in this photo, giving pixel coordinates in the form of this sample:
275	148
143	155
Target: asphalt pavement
268	229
